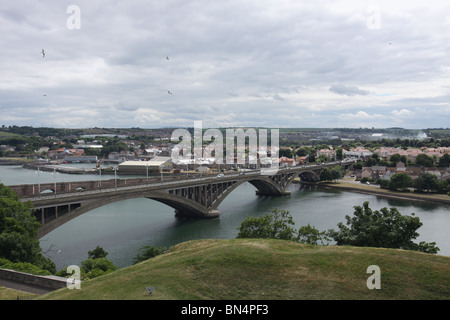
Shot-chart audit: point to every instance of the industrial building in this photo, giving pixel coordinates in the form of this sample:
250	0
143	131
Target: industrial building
152	167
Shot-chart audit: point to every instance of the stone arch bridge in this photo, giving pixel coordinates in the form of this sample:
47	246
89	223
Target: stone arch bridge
199	197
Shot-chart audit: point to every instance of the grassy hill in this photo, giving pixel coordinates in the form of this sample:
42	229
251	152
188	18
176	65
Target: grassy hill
270	269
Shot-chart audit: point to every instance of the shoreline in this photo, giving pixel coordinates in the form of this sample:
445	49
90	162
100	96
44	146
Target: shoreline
345	186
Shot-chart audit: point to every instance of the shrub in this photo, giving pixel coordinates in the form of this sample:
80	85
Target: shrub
385	228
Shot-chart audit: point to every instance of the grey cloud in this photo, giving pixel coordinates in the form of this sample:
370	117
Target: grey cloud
348	90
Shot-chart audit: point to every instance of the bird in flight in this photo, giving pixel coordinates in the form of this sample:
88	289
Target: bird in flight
167	58
168	92
43	53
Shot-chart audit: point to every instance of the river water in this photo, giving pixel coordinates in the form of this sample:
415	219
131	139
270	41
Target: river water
121	228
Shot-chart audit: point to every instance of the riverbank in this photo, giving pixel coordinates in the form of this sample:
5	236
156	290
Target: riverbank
376	190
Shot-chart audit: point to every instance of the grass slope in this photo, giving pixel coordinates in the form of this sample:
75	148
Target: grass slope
270	269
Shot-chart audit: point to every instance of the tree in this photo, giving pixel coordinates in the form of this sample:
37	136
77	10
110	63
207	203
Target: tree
426	182
444	161
18	232
326	175
339	154
385	228
310	235
97	253
400	181
285	152
96	264
276	225
358	165
337	172
424	160
395	158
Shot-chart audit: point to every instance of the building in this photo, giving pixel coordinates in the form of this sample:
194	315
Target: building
286	162
153	166
358	152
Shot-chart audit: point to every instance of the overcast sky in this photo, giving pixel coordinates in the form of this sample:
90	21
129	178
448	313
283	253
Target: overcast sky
250	63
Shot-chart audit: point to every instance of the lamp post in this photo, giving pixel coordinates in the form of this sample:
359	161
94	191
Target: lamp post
100	171
54	180
115	177
39	182
146	167
161	169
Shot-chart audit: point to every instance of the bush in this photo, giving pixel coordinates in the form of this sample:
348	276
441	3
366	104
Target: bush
278	225
269	226
23	267
148	252
400	181
92	268
310	235
385	228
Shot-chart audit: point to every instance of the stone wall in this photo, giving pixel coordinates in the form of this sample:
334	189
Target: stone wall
50	282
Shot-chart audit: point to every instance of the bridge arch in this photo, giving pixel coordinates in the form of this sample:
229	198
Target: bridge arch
309	176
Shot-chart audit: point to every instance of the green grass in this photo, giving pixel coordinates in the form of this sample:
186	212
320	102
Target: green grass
4	134
239	269
12	294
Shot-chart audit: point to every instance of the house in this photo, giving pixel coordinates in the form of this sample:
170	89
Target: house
301	160
286	162
358	152
366	172
400	166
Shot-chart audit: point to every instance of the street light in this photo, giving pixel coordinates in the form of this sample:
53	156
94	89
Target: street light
39	182
115	177
161	169
54	179
100	171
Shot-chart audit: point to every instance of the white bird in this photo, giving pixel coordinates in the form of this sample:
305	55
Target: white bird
43	53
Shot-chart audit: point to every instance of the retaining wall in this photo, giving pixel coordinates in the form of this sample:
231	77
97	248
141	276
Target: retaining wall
50	282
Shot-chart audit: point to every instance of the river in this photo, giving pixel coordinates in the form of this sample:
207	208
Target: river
121	228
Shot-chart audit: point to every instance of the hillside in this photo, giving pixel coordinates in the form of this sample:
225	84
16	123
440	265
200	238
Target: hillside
239	269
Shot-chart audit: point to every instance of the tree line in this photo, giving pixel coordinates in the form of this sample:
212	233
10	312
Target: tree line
384	228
